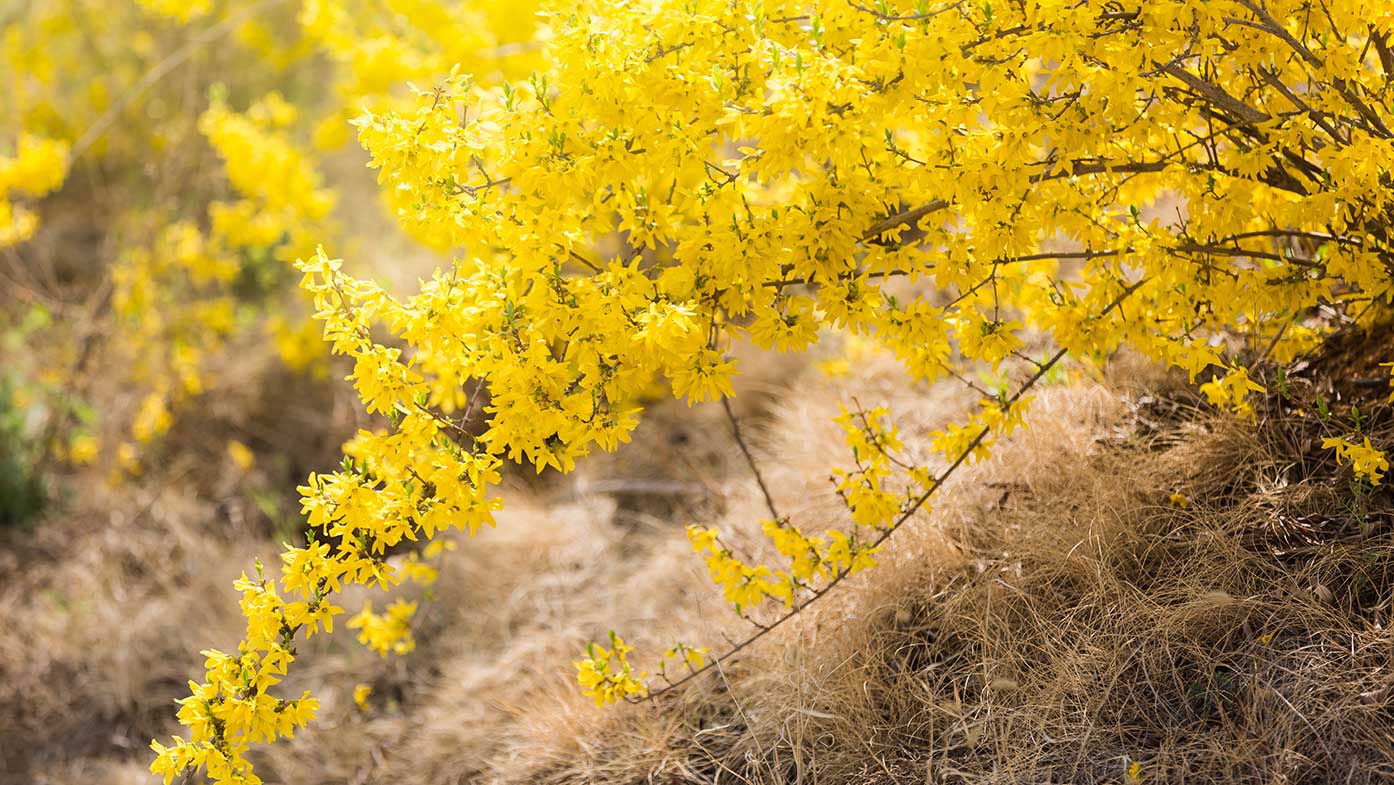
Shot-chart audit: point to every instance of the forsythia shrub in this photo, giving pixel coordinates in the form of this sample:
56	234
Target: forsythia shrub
998	184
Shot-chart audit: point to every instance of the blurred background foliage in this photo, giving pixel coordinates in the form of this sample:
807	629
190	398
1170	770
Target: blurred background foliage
161	163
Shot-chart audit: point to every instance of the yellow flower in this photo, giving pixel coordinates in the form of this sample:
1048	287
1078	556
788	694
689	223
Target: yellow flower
1367	462
361	692
706	377
241	455
83	450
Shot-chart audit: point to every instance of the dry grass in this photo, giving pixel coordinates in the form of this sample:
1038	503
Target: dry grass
1055	619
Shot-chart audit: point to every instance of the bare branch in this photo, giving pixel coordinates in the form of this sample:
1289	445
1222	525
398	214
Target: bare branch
750	459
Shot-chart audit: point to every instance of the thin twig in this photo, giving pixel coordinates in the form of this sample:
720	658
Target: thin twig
750	459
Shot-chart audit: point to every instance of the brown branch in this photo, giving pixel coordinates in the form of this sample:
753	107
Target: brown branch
750	459
1072	169
1272	79
1386	57
664	51
906	218
1216	94
1251	253
1036	257
1292	233
583	260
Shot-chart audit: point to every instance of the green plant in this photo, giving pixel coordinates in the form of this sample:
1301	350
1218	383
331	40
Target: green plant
22	491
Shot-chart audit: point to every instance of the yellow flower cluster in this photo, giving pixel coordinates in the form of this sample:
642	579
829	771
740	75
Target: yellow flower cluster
1232	391
283	201
834	555
379	46
388	632
234	707
873	443
446	490
605	675
1368	463
36	168
692	658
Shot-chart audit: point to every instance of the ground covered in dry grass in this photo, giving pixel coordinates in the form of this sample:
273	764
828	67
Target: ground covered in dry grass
1131	580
